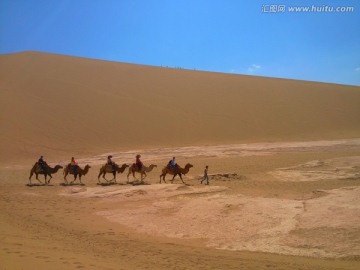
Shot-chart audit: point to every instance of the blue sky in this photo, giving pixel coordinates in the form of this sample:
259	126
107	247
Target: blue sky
231	36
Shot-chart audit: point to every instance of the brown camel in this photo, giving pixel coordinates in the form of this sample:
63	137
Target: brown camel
109	169
178	171
36	169
133	169
77	172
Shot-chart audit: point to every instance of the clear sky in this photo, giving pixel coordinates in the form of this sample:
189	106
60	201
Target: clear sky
253	37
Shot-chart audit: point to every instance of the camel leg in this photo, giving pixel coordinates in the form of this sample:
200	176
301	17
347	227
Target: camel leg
172	180
114	173
108	180
31	174
104	177
80	178
141	176
134	175
181	179
48	182
66	181
37	178
99	177
75	176
163	177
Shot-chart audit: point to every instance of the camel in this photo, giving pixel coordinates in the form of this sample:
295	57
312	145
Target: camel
79	172
133	169
36	169
108	169
179	171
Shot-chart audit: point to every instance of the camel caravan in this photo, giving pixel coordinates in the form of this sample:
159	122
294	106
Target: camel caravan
42	168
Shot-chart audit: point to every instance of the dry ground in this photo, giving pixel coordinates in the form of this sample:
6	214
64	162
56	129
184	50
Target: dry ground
271	206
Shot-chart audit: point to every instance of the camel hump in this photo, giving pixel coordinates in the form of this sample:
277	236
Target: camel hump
110	167
39	168
72	167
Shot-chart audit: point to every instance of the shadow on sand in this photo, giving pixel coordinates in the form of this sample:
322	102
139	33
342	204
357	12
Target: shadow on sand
137	183
72	184
39	185
105	184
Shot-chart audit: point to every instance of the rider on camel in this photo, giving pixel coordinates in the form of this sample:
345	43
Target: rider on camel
172	164
73	165
110	162
138	162
42	163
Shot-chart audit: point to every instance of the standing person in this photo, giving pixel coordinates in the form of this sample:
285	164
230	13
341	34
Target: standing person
205	177
138	162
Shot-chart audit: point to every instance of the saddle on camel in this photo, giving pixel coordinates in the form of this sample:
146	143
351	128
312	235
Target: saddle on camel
73	166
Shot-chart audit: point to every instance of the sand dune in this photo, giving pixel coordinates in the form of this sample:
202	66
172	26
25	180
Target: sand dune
61	106
283	158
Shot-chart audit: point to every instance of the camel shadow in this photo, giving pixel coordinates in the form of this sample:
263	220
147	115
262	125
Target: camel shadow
106	184
138	183
71	184
39	185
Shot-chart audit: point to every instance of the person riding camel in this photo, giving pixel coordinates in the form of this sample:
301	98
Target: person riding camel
42	164
138	162
110	162
172	164
73	165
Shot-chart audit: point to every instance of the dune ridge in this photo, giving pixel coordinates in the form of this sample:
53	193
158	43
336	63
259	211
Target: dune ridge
61	106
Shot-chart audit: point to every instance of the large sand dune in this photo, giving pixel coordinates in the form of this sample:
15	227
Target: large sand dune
283	156
61	106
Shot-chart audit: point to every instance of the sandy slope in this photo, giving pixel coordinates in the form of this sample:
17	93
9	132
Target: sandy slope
283	154
61	106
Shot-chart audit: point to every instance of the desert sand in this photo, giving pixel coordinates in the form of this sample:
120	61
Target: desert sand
283	156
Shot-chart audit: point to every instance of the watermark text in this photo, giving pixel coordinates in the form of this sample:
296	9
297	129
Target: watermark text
306	9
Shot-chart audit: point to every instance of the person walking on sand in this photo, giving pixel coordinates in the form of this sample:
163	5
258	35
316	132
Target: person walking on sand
205	177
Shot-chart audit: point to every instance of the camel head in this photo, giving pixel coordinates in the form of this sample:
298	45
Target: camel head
153	166
188	165
58	167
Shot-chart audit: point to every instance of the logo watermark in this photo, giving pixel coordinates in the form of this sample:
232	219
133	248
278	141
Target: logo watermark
306	9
